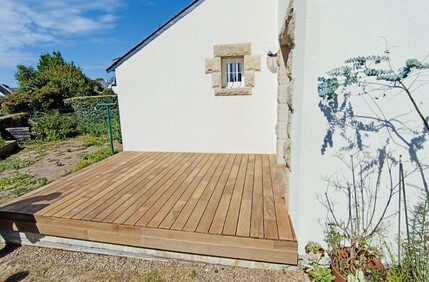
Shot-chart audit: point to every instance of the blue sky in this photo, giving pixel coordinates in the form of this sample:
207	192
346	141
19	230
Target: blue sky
91	33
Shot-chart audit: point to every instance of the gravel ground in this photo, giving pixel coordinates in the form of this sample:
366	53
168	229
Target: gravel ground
27	263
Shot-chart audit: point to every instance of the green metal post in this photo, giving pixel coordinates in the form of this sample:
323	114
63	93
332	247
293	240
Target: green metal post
109	123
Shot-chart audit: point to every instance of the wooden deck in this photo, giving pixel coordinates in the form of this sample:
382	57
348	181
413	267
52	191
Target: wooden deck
225	205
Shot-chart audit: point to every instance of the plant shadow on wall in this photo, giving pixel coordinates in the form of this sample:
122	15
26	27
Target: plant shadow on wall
378	114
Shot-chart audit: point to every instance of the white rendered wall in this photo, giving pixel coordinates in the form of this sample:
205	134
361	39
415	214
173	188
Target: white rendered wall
331	32
167	101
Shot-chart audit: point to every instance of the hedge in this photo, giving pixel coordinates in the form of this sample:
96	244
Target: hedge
86	107
91	118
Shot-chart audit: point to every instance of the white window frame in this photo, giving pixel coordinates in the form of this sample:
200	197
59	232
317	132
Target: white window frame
233	72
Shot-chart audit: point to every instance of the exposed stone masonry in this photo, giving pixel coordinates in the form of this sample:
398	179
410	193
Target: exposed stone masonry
252	63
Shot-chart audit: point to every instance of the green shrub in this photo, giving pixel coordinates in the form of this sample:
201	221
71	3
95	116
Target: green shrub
2	142
54	126
16	103
93	140
91	118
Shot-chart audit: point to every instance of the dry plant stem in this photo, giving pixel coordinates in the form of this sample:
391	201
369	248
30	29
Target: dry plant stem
355	195
425	122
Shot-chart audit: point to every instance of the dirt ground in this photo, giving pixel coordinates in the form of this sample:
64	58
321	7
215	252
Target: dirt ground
41	264
48	157
28	263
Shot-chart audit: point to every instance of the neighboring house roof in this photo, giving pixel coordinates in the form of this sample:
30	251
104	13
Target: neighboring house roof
154	35
4	90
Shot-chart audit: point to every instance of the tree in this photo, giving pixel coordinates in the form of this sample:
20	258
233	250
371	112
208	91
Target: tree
45	87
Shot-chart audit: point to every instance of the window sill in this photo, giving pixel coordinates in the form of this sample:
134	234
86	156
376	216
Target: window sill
233	91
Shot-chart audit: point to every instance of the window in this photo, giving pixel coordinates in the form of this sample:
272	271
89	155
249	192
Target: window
233	72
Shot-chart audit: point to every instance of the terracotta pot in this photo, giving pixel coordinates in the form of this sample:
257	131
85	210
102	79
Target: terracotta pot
338	276
343	253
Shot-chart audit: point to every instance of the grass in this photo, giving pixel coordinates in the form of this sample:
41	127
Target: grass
2	142
20	184
92	158
93	140
16	163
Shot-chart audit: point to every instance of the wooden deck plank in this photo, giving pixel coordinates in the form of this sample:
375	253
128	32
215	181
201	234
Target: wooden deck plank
222	209
90	193
228	205
243	228
66	191
77	190
177	208
118	198
160	204
169	204
209	213
152	190
127	208
53	187
187	242
130	175
187	210
257	218
195	217
282	217
231	222
270	222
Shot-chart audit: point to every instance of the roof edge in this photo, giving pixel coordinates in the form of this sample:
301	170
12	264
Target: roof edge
154	35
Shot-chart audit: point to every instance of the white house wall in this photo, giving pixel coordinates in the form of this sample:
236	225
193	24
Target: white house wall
332	31
166	99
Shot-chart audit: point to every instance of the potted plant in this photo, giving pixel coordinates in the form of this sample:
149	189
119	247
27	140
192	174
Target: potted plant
315	260
351	231
322	275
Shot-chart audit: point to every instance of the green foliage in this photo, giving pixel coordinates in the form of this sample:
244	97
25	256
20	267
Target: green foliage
313	247
92	119
2	142
314	261
92	158
108	92
21	183
93	140
16	102
322	275
416	257
15	163
358	277
53	126
45	87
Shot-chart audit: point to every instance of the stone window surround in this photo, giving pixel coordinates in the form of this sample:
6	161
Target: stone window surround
252	63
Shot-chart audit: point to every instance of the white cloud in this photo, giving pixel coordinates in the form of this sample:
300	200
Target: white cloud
37	22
